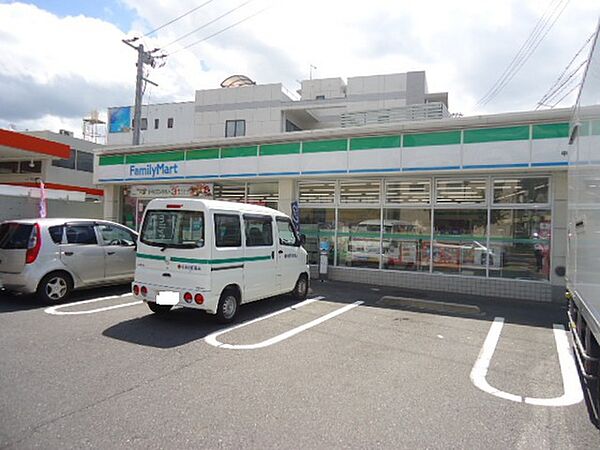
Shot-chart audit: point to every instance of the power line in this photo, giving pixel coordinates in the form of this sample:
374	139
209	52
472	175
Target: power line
566	95
220	31
527	49
208	23
557	84
178	18
558	88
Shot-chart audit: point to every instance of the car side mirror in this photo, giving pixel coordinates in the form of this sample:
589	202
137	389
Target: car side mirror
302	239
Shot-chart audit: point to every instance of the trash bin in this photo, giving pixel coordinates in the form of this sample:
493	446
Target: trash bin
323	259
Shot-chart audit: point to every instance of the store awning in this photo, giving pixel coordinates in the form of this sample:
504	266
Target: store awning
19	146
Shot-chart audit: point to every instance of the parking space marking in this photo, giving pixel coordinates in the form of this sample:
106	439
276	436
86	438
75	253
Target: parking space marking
212	338
572	392
54	310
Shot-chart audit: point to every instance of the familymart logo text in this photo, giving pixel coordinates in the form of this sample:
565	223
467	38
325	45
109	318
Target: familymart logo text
153	170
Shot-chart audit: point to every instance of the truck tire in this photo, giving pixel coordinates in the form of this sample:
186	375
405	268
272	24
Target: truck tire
228	306
301	289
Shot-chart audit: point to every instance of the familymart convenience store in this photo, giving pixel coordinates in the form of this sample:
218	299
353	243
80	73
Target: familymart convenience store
470	205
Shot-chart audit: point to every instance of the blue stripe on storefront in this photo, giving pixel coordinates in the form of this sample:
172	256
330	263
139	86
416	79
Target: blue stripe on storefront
234	175
414	169
270	174
395	169
111	179
199	177
495	166
323	172
153	178
558	163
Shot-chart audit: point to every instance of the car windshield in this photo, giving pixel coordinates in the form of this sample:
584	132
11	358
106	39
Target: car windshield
173	229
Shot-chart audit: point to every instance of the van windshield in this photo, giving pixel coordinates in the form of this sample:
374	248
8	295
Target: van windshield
173	229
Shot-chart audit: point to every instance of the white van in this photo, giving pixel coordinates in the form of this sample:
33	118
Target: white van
214	256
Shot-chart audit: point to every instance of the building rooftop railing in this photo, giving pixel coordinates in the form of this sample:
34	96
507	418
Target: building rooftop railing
427	111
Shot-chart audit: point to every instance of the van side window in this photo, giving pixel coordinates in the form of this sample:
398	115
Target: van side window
81	234
287	234
259	230
228	232
56	233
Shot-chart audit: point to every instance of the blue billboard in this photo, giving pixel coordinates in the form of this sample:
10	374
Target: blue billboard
119	119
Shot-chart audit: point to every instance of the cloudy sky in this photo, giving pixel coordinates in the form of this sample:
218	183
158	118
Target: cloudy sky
62	59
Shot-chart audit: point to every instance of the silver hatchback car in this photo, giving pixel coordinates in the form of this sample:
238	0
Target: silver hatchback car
51	257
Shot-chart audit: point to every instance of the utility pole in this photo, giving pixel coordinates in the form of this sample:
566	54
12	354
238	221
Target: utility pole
143	58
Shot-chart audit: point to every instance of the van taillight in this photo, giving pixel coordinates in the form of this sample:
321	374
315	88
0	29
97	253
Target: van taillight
174	206
144	291
34	245
136	289
199	299
187	297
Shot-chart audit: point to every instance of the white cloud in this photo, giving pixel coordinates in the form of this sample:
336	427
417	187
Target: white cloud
464	46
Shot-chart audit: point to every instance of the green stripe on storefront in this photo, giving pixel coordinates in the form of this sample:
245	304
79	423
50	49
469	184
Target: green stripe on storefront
112	160
595	127
374	142
239	152
496	134
550	130
204	153
155	157
206	261
336	145
280	149
426	139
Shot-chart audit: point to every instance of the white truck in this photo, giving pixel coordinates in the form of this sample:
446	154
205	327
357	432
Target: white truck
583	228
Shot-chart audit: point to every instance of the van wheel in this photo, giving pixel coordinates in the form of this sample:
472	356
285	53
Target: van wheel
159	309
55	287
228	306
301	289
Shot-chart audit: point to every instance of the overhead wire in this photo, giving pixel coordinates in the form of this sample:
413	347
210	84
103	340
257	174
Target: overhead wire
178	18
536	37
557	89
220	31
559	83
208	23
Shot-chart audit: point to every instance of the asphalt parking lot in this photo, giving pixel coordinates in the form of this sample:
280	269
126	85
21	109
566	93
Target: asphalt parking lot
345	369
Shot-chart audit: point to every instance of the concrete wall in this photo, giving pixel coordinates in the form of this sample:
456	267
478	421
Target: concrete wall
182	131
26	208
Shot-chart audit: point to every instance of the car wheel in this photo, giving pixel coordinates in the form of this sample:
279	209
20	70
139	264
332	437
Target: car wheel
159	309
301	289
228	306
55	287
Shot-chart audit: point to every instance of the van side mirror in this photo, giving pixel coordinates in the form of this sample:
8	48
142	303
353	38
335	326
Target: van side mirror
302	239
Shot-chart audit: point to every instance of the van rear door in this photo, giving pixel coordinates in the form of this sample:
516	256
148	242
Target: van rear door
14	238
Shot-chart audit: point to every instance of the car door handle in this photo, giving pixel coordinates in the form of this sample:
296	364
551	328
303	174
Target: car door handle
110	253
68	253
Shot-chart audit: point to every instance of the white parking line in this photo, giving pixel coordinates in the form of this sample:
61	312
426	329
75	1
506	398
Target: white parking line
572	392
54	310
212	338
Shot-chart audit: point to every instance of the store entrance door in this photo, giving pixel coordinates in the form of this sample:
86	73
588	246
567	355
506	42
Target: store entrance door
141	205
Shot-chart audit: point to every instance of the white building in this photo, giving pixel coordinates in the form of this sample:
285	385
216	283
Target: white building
242	108
474	205
65	165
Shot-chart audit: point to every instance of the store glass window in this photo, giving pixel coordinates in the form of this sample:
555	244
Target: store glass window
265	194
316	192
459	241
520	244
359	191
85	161
30	167
406	239
10	167
230	192
66	163
460	191
359	237
318	225
408	191
517	190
